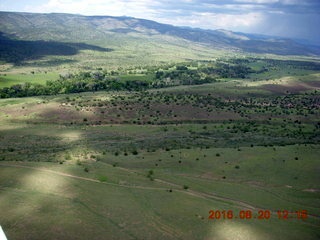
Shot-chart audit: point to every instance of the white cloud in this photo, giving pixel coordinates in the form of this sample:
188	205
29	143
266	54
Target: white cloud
257	1
244	7
241	20
97	7
268	2
210	20
278	17
245	18
292	2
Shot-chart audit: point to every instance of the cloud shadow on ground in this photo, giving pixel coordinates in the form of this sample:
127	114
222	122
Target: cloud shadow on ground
17	51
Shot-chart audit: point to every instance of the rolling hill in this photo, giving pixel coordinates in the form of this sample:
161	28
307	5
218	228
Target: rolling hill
122	128
63	31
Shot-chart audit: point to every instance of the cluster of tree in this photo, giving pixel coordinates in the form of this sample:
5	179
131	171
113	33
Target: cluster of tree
182	75
186	74
308	65
74	83
231	71
101	80
24	90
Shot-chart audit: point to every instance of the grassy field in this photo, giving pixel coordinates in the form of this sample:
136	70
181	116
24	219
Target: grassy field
152	164
184	128
8	80
126	53
128	202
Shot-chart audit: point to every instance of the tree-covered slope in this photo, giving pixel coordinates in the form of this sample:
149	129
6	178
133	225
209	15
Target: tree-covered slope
119	31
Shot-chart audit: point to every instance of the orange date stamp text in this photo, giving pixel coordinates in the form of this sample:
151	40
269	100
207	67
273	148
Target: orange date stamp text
257	214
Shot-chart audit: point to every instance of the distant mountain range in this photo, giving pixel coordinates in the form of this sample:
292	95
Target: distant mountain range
106	31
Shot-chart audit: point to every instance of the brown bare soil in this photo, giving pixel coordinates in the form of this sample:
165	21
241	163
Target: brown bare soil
292	87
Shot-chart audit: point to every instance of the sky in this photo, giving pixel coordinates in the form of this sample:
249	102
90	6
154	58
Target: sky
285	18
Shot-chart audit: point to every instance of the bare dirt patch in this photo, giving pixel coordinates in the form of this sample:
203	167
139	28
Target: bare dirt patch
313	190
314	84
292	87
278	88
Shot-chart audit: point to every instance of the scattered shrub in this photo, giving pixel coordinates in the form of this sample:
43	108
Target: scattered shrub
10	149
102	178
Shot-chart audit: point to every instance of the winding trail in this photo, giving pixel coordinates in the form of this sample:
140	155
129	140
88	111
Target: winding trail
237	203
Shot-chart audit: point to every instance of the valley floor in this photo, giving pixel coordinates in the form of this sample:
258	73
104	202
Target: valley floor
229	159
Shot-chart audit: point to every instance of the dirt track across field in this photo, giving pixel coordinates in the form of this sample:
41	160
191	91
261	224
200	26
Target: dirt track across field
239	204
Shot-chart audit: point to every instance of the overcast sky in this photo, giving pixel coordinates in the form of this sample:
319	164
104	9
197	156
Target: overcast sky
289	18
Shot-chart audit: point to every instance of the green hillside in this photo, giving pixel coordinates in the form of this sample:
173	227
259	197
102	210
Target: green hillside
130	39
123	128
88	42
152	165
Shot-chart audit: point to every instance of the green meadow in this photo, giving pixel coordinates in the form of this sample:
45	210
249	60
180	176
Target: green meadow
123	128
152	164
7	80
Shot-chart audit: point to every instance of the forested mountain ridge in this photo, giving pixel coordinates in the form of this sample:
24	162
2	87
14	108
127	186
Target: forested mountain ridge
107	31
